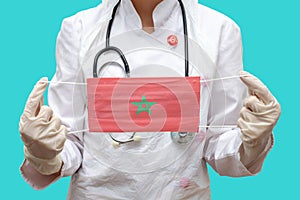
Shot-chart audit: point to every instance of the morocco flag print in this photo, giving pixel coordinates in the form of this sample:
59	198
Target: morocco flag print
143	104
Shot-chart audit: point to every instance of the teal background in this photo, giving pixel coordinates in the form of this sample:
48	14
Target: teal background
270	32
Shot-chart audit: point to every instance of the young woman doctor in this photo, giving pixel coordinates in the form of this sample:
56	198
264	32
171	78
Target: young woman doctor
156	167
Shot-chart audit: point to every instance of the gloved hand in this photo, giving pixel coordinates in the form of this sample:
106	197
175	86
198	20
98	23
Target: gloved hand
257	118
42	133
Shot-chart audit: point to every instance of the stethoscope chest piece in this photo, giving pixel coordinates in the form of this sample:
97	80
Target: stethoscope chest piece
182	137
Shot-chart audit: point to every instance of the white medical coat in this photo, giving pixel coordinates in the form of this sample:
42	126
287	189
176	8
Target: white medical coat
155	168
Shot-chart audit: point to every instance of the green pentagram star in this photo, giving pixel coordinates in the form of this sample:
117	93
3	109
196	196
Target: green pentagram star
143	106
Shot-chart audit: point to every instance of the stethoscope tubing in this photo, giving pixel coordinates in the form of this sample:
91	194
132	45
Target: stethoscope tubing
108	47
115	49
121	54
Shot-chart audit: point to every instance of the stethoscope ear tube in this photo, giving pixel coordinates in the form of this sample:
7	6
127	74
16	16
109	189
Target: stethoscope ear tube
186	42
126	66
111	23
110	48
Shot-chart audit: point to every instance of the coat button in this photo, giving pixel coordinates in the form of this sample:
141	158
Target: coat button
200	136
184	182
204	82
172	40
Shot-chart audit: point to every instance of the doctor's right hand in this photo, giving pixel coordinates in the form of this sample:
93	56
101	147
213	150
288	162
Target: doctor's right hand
42	133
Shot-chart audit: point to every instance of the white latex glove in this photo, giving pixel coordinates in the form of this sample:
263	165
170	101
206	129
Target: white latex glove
41	132
257	118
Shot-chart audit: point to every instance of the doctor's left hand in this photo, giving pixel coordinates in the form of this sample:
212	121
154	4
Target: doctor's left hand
258	117
42	133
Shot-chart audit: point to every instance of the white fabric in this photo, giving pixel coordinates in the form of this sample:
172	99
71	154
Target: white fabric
154	168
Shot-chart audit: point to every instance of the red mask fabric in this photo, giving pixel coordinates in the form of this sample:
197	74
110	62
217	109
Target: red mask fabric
143	104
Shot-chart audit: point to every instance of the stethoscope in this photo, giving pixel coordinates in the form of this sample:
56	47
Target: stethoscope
178	137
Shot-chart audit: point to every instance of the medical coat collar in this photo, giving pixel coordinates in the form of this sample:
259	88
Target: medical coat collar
112	3
159	17
162	12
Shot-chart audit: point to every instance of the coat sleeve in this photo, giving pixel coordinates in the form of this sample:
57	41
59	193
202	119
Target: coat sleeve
222	145
61	98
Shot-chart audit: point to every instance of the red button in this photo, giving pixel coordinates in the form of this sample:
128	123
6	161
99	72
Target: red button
184	182
204	82
172	40
200	136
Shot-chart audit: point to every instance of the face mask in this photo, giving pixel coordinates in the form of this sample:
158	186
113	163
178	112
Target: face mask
143	104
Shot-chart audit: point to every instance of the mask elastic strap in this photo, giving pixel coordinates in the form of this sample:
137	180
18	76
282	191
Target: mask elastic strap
213	126
201	81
